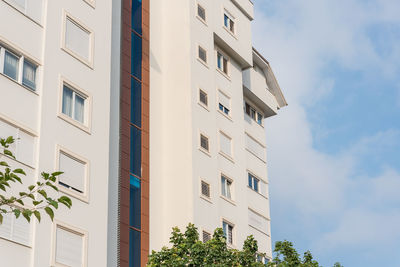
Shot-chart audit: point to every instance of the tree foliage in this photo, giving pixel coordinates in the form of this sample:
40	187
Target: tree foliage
32	201
188	250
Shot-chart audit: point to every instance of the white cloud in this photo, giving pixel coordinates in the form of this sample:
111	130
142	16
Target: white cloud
301	39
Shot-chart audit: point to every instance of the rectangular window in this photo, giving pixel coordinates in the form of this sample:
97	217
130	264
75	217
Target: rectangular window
254	183
11	65
136	55
17	230
75	173
202	54
228	232
222	63
225	143
136	102
224	103
137	16
229	23
201	12
205	189
206	236
204	142
258	222
226	185
70	246
255	147
24	145
73	104
135	202
136	151
203	97
78	40
254	114
29	75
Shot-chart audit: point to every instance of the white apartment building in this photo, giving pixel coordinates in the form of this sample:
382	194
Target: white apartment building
155	110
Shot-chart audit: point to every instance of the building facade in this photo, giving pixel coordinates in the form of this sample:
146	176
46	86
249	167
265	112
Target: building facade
155	111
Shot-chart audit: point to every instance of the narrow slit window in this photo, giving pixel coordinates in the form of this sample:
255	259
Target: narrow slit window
202	54
205	189
203	97
201	12
204	142
226	185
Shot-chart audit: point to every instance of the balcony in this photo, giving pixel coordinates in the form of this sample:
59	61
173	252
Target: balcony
255	88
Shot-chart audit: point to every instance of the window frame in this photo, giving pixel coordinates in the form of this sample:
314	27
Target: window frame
229	157
12	229
74	230
200	47
229	223
202	181
91	3
87	116
256	111
201	148
204	105
254	177
88	62
230	187
228	63
229	114
22	58
205	232
204	20
69	191
231	21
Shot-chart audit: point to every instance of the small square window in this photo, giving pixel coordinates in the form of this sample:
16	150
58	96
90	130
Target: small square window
228	232
202	54
226	185
29	75
229	23
222	63
205	189
206	236
75	173
225	144
69	247
254	114
73	104
224	103
203	97
204	142
254	183
11	65
201	12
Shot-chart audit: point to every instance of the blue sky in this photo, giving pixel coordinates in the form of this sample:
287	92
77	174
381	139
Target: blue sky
334	152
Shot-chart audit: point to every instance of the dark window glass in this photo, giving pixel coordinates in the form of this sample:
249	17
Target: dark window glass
11	65
136	53
201	12
29	75
204	142
226	20
202	54
136	102
134	248
134	205
250	181
203	98
137	16
136	151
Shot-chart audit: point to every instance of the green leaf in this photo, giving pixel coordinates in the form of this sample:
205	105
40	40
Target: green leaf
52	186
45	175
43	193
3	163
10	140
57	173
8	153
31	187
31	196
27	214
37	215
35	203
53	203
1	219
50	212
17	212
19	171
20	202
2	187
15	177
21	194
66	201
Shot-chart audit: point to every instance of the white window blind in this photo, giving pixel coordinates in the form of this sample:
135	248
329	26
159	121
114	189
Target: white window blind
24	145
255	147
263	188
32	8
258	222
69	248
77	39
225	144
74	172
17	230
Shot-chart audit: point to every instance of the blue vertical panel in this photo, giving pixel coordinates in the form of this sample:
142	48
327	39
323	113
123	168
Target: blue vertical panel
136	102
135	201
136	53
136	151
137	16
134	248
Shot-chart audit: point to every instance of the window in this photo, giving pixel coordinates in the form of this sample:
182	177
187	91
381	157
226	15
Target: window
258	221
205	189
254	183
75	173
204	142
70	246
73	104
17	230
228	232
78	40
226	185
254	114
225	143
31	8
201	12
224	103
202	54
206	236
24	145
259	258
203	97
222	63
13	66
229	23
255	147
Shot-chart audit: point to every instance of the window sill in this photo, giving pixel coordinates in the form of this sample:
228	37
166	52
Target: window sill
258	193
206	199
251	152
70	192
77	57
25	15
15	242
252	121
227	157
230	32
202	20
203	106
75	123
20	84
264	233
20	162
203	63
224	74
205	151
91	3
228	200
225	115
